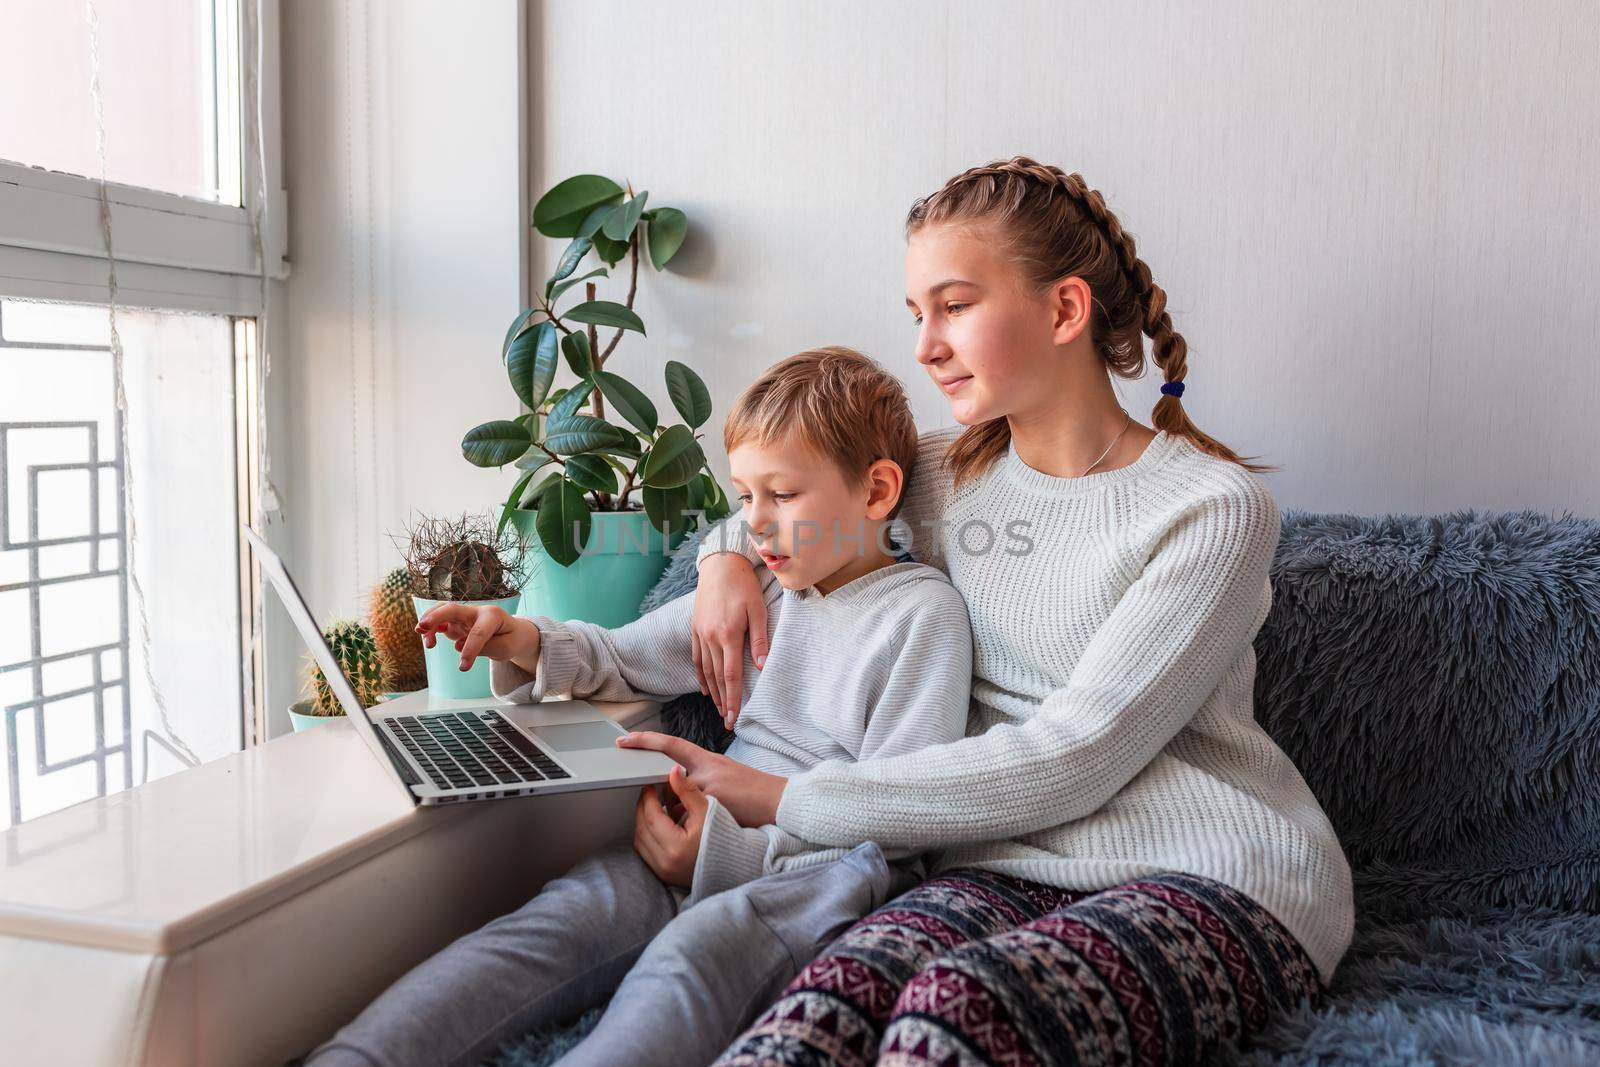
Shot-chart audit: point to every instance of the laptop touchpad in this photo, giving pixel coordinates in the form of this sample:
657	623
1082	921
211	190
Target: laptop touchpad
574	736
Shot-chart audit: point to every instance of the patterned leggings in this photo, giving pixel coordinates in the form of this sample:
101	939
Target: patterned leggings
975	967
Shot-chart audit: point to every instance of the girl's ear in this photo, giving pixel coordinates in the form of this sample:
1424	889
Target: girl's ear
885	483
1073	306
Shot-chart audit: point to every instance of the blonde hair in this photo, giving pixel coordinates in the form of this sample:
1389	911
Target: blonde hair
1054	226
838	403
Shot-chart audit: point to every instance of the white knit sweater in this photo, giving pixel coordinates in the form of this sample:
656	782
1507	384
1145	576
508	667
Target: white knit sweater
1111	732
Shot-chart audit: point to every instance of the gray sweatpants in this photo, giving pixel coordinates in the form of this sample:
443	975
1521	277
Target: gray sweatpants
686	984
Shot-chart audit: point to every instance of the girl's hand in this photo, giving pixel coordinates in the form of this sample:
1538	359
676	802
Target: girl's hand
751	796
727	606
667	847
482	630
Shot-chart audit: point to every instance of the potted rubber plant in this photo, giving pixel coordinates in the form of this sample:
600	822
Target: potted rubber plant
603	494
465	560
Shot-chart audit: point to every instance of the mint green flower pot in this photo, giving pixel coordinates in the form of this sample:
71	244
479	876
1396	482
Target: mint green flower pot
300	716
622	561
445	676
300	720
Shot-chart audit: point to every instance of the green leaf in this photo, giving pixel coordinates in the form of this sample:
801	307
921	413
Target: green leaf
620	223
590	226
674	458
623	447
569	403
531	499
632	404
494	444
576	347
580	433
511	502
689	394
564	208
665	507
531	363
569	259
553	292
610	251
668	227
591	472
563	521
717	507
517	325
606	313
534	459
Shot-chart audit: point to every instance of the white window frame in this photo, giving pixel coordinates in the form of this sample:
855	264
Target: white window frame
171	251
175	253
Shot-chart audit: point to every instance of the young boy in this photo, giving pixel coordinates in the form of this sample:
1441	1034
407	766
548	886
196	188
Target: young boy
870	655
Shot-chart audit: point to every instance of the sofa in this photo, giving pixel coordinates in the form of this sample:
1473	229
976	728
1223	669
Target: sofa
1437	681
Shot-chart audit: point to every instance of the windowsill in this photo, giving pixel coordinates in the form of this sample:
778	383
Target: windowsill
242	910
167	864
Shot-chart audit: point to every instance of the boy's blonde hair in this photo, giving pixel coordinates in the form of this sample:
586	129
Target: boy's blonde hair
838	403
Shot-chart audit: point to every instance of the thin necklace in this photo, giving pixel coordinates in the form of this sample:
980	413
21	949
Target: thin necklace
1113	444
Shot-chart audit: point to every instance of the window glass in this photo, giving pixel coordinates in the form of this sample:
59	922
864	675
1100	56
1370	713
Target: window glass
80	719
169	83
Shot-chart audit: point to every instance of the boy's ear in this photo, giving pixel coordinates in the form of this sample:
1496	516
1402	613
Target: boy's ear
885	483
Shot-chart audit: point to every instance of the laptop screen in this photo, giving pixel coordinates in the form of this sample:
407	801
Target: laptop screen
311	634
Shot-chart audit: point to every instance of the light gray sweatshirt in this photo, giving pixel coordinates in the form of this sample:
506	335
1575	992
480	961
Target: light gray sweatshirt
881	666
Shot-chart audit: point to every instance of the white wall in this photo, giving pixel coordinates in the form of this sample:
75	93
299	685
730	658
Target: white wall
406	243
1376	223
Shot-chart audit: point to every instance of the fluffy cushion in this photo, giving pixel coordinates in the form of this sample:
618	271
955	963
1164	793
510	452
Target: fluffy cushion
1437	681
1507	987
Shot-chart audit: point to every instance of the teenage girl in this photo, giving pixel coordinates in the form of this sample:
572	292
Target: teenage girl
1129	870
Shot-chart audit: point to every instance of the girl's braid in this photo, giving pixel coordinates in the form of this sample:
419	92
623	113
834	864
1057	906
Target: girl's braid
1169	348
1057	237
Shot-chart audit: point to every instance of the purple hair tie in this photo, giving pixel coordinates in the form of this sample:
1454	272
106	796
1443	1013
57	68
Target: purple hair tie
1172	388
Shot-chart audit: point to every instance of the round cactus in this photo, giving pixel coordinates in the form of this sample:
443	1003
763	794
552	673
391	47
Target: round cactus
393	616
356	652
468	570
465	559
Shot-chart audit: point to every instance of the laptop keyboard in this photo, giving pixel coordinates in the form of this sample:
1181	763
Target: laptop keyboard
461	749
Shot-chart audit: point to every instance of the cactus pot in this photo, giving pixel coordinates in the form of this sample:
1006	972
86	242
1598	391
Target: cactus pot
445	676
621	562
301	720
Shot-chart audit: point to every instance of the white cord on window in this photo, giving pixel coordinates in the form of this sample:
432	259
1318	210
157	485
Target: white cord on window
122	399
266	492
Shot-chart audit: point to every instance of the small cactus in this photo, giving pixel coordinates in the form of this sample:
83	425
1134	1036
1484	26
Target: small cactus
356	652
465	571
394	625
464	559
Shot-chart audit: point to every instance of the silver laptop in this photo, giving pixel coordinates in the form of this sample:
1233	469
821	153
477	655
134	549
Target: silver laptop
445	756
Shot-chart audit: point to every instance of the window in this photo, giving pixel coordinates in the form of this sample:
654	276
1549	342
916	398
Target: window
171	124
162	99
81	719
120	510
